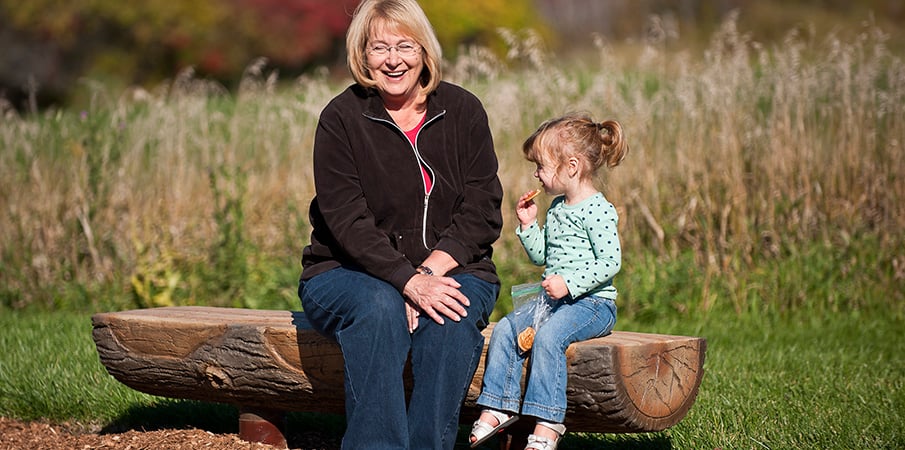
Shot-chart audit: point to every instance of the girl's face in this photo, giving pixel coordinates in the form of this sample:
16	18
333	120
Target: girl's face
395	62
549	178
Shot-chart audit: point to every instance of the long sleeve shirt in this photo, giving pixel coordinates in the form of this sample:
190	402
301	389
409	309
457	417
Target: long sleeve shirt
579	243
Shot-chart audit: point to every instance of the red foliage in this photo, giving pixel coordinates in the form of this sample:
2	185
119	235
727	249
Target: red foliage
213	61
292	32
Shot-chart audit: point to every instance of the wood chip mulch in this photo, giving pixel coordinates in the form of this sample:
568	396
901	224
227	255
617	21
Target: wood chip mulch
18	435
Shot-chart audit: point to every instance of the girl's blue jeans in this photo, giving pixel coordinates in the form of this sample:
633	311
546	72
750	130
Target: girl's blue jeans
545	393
366	317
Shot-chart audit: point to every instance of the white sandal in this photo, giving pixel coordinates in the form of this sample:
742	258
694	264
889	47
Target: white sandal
483	431
542	443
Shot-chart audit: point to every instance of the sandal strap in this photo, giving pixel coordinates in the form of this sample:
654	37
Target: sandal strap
500	416
559	428
545	443
541	443
482	430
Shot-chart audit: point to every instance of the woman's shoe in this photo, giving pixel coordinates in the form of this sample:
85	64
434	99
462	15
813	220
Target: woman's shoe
544	443
483	431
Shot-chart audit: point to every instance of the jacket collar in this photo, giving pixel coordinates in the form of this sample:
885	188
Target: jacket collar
374	104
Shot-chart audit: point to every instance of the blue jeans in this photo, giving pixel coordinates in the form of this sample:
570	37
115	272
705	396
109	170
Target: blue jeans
545	392
366	317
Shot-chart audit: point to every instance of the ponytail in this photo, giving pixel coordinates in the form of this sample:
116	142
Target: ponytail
614	146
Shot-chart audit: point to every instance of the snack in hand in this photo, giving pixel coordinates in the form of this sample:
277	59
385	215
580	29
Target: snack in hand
526	339
533	194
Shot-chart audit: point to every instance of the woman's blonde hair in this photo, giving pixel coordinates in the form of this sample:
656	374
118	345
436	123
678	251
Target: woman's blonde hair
576	134
404	17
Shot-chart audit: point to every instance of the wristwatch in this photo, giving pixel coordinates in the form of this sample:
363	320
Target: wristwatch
424	270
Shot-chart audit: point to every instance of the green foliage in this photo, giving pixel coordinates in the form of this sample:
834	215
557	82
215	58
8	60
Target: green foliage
476	22
145	42
229	259
820	278
155	279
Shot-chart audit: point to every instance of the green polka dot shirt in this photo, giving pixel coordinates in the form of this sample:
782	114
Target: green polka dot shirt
579	243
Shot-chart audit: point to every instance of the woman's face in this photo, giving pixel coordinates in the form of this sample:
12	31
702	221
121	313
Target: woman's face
395	62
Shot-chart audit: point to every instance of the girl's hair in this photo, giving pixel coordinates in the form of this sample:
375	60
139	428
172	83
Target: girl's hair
401	16
576	134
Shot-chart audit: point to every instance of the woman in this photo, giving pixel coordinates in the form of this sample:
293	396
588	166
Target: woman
407	207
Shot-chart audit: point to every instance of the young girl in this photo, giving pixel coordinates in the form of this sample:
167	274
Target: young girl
579	245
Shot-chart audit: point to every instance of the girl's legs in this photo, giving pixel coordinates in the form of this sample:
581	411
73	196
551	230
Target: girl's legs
571	321
444	359
501	388
366	317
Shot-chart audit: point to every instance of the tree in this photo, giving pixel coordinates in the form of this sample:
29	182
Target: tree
46	46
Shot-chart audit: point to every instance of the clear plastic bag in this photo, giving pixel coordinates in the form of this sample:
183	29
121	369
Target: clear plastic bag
531	299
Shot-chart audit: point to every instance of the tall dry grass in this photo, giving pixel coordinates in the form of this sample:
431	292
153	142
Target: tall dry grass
743	154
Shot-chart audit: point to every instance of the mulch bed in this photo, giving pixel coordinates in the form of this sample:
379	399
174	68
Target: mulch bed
18	435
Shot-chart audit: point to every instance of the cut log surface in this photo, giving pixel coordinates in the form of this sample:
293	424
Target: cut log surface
264	360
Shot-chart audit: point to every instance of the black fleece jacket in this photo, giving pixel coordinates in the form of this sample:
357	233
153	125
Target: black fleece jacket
370	211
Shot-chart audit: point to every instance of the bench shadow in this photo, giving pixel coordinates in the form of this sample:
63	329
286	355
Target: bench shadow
176	414
324	431
303	430
658	441
587	441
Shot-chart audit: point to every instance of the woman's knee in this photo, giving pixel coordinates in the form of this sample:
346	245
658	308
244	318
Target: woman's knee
343	290
341	299
481	294
384	302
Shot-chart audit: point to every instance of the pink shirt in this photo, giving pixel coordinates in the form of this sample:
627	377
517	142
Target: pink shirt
412	134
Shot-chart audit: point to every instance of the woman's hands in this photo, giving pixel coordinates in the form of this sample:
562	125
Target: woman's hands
435	296
411	316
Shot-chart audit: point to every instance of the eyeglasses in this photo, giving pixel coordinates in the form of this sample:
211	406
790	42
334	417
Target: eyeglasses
404	49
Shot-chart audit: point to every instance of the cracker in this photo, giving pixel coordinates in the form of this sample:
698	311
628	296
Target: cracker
526	339
533	194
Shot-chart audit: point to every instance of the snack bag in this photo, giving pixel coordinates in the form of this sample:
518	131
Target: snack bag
530	298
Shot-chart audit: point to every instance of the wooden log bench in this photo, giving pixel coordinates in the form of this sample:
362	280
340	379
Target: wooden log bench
269	362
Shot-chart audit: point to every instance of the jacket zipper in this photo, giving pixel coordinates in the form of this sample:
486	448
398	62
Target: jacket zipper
420	161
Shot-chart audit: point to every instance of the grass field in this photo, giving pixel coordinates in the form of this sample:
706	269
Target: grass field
802	381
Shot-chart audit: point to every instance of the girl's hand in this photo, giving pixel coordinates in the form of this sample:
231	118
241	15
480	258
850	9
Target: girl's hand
526	209
555	287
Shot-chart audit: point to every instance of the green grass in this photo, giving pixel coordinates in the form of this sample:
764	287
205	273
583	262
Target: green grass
807	378
49	369
830	381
